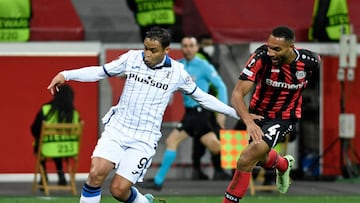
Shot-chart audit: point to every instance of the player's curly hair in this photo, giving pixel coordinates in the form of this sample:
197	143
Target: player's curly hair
160	34
284	31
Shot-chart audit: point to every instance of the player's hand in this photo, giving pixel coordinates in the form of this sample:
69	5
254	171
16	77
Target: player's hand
255	132
55	82
220	119
256	117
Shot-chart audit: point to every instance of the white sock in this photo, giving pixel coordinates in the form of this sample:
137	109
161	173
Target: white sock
95	199
139	198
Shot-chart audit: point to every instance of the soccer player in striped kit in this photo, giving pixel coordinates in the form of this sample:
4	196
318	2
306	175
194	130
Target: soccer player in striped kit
132	127
280	72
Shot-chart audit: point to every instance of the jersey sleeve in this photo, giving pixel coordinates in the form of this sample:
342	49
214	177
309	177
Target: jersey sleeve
116	67
213	104
315	61
95	73
312	61
187	84
254	64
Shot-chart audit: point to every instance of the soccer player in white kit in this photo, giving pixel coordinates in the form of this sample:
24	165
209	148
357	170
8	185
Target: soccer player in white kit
132	127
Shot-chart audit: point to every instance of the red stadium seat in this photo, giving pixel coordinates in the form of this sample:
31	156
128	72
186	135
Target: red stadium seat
55	20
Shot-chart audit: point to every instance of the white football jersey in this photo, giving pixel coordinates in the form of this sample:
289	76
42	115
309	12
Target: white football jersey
146	94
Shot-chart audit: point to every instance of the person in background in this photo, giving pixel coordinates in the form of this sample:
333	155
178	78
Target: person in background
15	20
330	21
132	127
165	14
208	51
280	72
59	110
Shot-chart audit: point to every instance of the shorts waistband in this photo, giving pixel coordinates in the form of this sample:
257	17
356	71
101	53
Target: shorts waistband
194	109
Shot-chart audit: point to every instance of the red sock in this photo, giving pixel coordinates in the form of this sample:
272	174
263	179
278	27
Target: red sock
237	187
276	161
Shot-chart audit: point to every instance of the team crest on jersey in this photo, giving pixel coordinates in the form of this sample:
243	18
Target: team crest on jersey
168	74
300	74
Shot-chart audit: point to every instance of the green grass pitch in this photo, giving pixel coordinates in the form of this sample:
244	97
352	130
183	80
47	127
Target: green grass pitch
198	199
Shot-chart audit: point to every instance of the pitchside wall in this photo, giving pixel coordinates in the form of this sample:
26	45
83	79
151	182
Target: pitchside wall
27	70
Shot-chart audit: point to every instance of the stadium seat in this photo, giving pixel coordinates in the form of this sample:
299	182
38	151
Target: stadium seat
59	140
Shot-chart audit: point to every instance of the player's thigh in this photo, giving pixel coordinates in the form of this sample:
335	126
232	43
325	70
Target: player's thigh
134	165
211	142
108	148
175	138
101	166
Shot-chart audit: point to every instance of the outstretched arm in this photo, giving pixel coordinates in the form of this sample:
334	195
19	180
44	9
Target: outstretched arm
212	103
86	74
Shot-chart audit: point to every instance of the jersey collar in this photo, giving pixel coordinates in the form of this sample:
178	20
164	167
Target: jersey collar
297	54
166	62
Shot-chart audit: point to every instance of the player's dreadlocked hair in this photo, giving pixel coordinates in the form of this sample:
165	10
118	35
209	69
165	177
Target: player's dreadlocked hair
62	104
159	34
285	32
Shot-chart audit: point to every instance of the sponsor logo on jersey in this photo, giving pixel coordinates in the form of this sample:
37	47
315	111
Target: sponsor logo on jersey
135	67
285	85
168	74
148	81
300	74
247	72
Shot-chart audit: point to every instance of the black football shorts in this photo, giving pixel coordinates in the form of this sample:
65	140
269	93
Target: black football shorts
275	130
197	122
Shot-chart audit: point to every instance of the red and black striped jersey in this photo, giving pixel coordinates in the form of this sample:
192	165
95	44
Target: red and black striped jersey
278	92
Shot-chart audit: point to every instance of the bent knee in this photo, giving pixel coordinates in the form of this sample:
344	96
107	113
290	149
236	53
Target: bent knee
214	147
96	177
211	142
120	191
